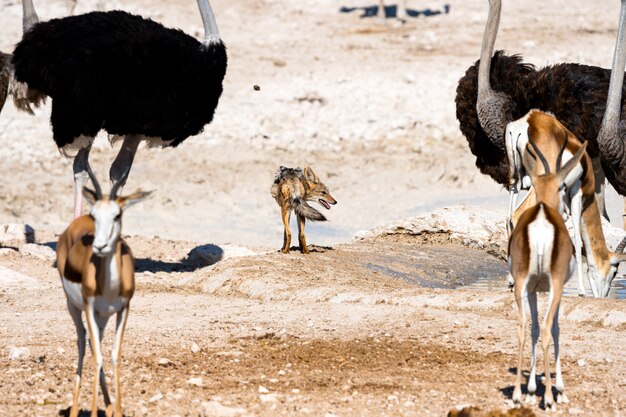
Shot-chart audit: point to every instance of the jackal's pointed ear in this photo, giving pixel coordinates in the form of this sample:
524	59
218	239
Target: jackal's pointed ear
90	195
133	198
309	174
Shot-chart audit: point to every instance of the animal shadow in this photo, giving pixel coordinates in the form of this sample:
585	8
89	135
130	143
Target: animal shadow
198	257
311	248
391	11
81	413
541	388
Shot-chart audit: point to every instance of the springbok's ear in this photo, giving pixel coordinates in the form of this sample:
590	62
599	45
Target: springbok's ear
572	163
309	174
90	195
133	198
617	258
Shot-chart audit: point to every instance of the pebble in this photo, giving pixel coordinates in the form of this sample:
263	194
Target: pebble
263	390
156	397
581	362
164	361
195	348
195	381
268	398
16	353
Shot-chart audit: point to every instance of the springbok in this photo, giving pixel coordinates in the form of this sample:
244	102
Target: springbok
556	143
540	259
97	272
578	197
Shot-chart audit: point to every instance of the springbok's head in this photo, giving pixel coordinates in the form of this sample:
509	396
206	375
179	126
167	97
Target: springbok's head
107	213
601	278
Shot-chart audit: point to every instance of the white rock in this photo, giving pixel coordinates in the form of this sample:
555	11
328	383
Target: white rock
195	348
581	362
164	361
16	353
216	409
471	226
16	233
156	397
268	398
195	381
263	390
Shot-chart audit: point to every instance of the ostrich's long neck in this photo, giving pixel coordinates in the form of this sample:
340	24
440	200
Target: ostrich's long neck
489	40
29	16
211	34
611	117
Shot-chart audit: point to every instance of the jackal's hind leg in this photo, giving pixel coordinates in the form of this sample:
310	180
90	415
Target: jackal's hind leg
301	237
286	214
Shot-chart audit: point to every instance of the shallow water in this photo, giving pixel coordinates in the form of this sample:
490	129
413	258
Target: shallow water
495	283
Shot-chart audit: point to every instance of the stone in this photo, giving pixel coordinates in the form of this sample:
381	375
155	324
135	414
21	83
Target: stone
16	233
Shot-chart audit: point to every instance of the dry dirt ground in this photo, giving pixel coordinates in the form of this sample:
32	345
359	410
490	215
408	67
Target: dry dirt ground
371	328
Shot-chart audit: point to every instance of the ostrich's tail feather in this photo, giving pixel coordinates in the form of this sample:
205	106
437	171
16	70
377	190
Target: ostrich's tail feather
5	75
23	96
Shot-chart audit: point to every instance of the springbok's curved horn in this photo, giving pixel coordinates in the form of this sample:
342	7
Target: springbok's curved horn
118	184
546	167
621	246
560	157
94	180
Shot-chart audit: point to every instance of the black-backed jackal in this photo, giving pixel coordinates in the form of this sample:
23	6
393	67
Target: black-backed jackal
292	188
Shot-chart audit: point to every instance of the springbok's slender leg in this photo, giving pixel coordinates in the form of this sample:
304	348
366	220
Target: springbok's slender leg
117	357
102	322
520	298
124	160
80	178
534	335
76	314
286	215
301	237
94	336
556	291
561	398
577	207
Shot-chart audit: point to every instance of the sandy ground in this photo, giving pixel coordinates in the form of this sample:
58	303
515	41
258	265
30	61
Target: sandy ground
354	329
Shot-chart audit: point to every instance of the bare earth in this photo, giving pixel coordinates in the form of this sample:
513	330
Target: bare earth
375	327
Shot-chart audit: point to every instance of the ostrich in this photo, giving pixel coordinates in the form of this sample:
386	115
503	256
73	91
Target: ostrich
612	135
119	72
497	90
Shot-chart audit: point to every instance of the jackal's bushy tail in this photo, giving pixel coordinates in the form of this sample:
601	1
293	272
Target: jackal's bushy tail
302	208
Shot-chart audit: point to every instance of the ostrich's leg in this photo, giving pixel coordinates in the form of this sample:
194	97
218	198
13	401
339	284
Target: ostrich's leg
124	160
81	177
381	11
401	10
